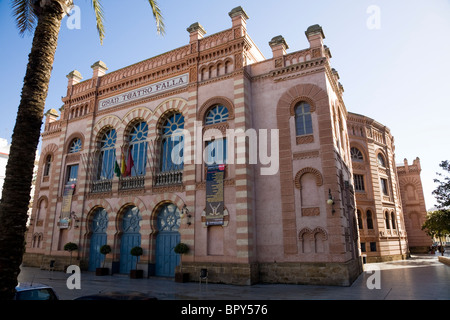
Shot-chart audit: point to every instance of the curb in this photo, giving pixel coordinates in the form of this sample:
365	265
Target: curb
444	260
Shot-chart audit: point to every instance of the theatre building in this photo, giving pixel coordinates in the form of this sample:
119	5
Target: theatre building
245	159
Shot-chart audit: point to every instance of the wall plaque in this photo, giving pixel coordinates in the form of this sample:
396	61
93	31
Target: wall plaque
144	92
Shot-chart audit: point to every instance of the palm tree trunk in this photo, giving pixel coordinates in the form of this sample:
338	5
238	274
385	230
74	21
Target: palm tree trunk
19	169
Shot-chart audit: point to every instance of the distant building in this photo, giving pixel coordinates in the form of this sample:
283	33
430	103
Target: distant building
110	170
389	222
414	210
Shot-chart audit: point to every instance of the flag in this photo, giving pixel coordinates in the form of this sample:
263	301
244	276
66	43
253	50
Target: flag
117	169
130	163
123	166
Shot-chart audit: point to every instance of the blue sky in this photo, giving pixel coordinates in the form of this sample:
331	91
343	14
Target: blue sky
395	71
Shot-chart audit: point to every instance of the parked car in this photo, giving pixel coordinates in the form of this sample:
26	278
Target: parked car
117	295
35	291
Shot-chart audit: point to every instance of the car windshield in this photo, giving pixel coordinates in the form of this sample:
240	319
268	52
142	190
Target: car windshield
36	294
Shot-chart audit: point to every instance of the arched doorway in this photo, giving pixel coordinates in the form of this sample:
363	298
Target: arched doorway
168	223
131	237
98	238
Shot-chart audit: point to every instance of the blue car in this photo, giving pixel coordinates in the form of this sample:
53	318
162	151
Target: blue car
34	291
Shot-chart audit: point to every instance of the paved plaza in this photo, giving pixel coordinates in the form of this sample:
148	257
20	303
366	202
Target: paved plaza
422	277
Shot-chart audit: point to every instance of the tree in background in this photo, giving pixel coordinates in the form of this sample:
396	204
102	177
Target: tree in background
437	226
71	247
442	192
44	17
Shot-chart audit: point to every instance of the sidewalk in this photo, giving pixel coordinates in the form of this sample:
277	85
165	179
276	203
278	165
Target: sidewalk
422	277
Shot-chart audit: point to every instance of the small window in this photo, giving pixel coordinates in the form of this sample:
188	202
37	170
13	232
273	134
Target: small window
356	155
381	161
72	174
363	247
359	182
48	163
216	151
75	145
373	246
369	219
384	186
303	120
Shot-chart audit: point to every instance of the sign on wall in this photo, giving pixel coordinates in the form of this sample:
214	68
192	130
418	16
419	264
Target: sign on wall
214	195
144	92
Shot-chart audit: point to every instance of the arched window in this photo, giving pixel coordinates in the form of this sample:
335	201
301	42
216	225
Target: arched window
384	186
303	121
48	164
172	143
35	236
138	145
216	150
386	220
42	210
381	161
360	222
219	66
411	192
107	156
393	220
39	239
356	154
75	145
227	67
309	191
216	114
369	219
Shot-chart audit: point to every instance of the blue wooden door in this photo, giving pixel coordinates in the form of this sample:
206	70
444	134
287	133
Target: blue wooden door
130	238
98	238
166	240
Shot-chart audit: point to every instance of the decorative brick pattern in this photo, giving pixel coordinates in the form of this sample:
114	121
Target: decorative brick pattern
318	98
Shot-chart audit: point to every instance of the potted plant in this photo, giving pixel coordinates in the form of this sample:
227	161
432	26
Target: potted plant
181	248
70	246
136	252
105	249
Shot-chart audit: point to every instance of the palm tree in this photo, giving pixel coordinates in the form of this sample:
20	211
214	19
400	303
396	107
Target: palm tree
44	16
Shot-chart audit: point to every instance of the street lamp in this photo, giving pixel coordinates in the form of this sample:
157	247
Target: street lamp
330	201
185	212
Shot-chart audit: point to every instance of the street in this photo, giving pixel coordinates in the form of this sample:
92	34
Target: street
422	277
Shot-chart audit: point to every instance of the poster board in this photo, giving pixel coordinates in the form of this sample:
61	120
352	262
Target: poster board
66	206
215	175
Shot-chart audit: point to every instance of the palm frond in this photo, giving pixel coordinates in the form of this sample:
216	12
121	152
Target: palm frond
99	17
23	12
160	28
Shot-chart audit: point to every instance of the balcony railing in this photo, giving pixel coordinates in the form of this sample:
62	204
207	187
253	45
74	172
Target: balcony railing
168	178
101	186
138	183
132	183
